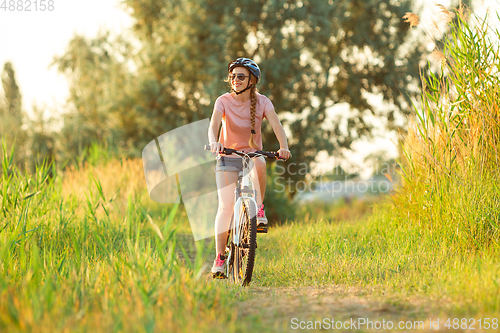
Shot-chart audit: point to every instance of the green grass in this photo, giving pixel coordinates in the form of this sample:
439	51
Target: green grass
75	265
85	249
383	256
94	261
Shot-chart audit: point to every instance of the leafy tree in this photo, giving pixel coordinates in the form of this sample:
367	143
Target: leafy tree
337	174
13	97
382	165
314	55
100	92
11	113
41	138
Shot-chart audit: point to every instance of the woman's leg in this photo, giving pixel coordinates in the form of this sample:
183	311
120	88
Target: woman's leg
226	184
259	178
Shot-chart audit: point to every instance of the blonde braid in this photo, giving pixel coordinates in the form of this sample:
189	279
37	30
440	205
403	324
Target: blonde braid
253	98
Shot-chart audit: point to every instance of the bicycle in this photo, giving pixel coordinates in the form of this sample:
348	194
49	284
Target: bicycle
242	233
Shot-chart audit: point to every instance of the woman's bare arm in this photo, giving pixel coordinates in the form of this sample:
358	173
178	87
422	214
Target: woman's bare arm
273	119
213	131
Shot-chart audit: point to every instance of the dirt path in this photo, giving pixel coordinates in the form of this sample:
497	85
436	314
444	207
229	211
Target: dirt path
296	309
293	309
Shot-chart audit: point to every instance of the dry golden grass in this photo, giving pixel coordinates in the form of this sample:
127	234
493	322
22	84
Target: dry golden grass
460	121
446	15
438	56
451	148
412	18
123	176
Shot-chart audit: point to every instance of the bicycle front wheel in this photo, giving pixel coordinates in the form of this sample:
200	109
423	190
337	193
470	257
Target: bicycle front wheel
244	253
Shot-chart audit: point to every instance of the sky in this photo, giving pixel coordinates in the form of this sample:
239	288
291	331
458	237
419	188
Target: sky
30	40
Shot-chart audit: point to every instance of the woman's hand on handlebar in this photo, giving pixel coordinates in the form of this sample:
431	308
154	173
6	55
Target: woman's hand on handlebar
216	147
284	153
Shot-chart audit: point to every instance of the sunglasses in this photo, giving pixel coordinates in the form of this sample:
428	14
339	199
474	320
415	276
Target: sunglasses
240	77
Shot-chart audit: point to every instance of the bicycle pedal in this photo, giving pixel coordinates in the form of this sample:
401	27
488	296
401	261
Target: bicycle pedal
262	229
219	275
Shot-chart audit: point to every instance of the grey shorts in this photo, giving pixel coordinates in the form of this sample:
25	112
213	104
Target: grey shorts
228	164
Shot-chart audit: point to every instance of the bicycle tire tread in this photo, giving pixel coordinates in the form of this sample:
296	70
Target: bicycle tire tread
252	242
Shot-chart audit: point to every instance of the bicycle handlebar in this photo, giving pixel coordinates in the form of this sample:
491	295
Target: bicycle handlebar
269	154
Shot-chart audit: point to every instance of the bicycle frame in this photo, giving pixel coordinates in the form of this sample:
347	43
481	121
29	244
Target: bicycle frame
244	192
242	233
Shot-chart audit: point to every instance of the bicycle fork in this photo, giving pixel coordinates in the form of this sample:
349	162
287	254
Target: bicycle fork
244	198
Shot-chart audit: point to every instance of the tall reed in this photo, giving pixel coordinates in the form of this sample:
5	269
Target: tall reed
451	152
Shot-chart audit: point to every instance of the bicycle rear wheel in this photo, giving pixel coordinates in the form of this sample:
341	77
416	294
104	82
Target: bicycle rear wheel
244	253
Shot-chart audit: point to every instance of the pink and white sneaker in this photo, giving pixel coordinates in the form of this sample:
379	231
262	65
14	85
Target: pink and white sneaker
218	269
261	216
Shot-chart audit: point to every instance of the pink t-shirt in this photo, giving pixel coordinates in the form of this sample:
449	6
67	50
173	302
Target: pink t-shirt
236	124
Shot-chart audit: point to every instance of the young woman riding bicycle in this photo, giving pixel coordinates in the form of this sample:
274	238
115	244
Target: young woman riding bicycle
241	112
